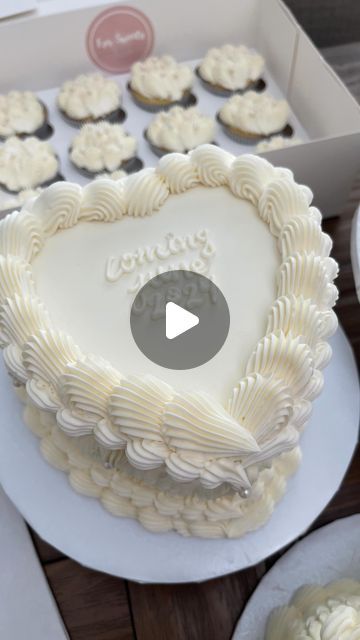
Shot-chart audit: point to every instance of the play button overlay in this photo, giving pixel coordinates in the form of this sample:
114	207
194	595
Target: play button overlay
179	319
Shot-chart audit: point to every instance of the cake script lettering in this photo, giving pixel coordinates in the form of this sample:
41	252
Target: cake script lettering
173	245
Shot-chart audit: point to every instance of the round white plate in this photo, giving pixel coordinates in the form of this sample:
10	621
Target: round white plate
331	553
82	529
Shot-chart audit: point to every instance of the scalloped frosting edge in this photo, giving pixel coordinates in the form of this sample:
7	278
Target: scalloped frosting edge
285	367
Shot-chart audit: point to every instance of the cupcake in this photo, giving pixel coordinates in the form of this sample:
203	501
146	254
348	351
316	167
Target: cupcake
90	98
22	114
17	200
104	147
27	164
112	175
275	143
179	130
160	83
253	116
231	69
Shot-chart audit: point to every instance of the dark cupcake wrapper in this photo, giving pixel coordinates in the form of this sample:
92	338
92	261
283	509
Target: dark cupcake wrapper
160	151
58	177
188	100
258	85
115	117
44	132
6	212
286	132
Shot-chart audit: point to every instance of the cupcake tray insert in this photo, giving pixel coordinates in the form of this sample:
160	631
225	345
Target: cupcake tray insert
137	121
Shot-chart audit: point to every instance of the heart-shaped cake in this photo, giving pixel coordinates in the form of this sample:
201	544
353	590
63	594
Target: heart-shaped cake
206	451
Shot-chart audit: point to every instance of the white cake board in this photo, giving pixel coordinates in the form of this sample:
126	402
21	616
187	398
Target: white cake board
82	529
329	554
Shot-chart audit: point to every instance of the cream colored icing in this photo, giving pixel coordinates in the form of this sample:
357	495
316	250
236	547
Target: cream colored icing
172	247
173	458
26	164
20	112
319	613
277	142
89	96
102	147
180	129
257	113
231	67
161	78
113	175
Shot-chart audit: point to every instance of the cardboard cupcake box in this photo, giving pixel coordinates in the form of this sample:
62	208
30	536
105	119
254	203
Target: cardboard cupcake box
53	44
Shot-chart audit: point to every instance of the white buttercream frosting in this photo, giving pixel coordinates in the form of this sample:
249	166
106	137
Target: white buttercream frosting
102	147
26	164
161	78
277	142
180	460
89	96
20	112
319	613
231	67
181	129
256	113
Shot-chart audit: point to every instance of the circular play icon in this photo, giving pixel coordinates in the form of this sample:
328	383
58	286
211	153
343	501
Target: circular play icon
179	319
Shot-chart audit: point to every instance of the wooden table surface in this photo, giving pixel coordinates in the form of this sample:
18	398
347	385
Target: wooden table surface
95	606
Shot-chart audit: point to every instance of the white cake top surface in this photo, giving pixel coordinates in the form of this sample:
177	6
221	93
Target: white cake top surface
181	129
161	78
102	147
20	112
26	164
231	67
89	95
257	113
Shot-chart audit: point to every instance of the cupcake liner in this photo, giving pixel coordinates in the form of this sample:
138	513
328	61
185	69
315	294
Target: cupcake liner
257	85
44	132
161	151
129	166
58	177
188	100
115	117
250	140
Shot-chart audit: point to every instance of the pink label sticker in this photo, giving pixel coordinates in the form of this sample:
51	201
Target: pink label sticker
118	37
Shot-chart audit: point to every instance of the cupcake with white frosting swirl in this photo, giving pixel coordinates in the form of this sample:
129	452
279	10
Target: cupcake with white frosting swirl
104	147
22	114
253	116
179	130
17	200
275	143
27	164
119	174
90	98
331	612
160	83
230	69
